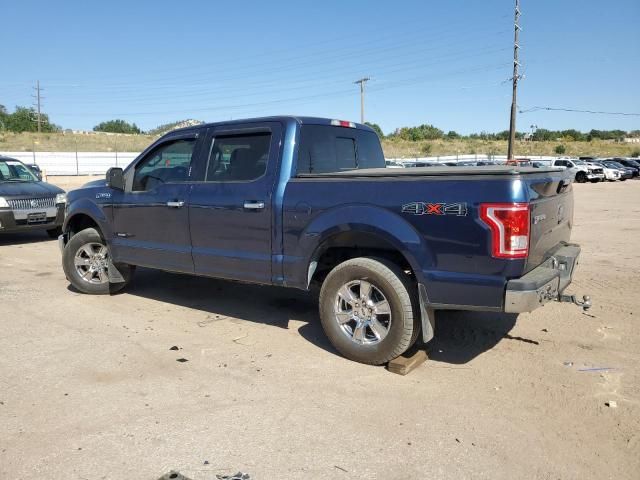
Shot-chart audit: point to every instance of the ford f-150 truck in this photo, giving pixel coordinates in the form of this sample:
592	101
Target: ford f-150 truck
294	201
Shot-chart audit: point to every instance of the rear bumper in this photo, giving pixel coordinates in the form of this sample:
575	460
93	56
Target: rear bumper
544	283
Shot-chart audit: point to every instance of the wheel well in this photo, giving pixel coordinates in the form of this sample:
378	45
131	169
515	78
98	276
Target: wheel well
348	245
79	222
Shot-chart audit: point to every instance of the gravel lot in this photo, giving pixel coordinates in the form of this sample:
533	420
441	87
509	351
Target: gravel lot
90	389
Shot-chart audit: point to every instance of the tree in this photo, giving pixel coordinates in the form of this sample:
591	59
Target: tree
376	127
560	149
24	120
117	126
421	132
3	117
572	134
544	135
452	135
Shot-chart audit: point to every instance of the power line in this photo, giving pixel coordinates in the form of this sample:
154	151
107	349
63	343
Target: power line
306	82
297	100
596	112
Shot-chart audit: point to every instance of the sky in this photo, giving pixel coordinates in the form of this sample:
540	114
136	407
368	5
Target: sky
442	63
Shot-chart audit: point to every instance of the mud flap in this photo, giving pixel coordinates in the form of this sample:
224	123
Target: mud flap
114	274
427	315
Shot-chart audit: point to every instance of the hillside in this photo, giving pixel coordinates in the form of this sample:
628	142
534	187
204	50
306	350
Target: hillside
393	148
167	127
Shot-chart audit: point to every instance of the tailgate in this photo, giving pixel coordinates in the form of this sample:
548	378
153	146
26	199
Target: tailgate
551	217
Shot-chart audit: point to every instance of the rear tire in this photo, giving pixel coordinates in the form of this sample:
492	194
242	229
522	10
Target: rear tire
85	259
367	310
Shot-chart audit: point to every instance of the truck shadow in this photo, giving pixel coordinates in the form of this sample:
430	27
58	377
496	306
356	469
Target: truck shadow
22	238
460	336
463	335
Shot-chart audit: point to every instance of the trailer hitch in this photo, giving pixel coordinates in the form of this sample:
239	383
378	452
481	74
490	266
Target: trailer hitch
585	303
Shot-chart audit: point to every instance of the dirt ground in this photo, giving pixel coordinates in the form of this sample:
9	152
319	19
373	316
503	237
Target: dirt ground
90	388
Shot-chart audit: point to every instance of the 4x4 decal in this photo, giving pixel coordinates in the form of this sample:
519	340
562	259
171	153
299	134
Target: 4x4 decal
429	208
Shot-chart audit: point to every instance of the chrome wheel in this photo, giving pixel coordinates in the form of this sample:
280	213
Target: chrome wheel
362	312
91	262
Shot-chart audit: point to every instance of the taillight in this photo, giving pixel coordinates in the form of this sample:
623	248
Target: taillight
509	225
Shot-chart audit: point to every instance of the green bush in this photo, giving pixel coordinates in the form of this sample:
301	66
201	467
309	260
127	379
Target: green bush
560	149
635	153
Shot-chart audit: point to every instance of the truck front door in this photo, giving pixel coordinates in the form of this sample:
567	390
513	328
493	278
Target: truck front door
230	212
151	217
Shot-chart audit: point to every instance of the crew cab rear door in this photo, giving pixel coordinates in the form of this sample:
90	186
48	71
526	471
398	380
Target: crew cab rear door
230	212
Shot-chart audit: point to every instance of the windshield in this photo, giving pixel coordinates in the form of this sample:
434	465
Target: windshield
15	171
580	162
614	165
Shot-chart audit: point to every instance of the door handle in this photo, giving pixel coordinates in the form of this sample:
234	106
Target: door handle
175	204
254	205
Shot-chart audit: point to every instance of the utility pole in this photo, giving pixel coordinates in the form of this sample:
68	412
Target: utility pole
515	79
361	82
38	98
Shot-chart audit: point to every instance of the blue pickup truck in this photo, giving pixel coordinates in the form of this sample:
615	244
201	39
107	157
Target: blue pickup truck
297	201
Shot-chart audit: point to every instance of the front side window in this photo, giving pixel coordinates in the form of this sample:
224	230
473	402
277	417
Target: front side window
241	157
170	162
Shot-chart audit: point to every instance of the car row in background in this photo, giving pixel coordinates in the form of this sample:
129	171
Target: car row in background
583	169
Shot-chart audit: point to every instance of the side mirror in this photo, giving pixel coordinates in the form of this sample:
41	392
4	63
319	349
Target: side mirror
115	178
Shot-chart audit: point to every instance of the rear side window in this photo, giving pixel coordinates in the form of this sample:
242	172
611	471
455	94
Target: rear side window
326	149
241	157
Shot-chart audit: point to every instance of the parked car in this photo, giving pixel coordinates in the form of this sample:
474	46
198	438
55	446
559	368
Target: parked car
294	201
610	174
520	162
580	170
625	173
467	163
625	162
392	164
485	163
26	202
420	164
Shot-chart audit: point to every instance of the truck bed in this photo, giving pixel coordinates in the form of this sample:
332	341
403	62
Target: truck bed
431	171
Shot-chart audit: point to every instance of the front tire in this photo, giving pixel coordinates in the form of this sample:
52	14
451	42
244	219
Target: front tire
85	261
367	310
581	177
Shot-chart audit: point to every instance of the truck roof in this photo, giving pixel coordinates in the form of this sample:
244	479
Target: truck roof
302	120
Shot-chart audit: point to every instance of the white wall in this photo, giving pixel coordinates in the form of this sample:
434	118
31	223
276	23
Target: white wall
97	163
66	163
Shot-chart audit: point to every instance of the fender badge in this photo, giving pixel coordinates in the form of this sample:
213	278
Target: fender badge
103	195
426	208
